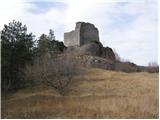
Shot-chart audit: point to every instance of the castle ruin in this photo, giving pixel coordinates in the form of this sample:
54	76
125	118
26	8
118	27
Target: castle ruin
84	33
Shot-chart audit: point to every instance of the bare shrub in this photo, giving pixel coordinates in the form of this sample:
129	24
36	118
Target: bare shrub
118	58
126	67
153	64
57	72
153	67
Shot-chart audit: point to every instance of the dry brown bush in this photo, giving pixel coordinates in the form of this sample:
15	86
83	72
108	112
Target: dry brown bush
153	67
125	67
57	72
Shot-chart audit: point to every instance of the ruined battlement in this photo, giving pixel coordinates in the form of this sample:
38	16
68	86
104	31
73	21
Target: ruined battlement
84	33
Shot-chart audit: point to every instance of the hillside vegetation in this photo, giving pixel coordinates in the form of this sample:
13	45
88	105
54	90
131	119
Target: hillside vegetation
96	94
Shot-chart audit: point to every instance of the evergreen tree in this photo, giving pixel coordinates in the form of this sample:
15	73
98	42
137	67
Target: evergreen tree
48	43
51	35
16	51
43	44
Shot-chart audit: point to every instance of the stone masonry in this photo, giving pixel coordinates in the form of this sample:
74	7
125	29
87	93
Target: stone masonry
83	33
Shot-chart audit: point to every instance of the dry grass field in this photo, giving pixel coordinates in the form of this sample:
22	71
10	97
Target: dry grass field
97	94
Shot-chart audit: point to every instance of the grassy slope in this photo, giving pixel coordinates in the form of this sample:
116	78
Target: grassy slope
98	94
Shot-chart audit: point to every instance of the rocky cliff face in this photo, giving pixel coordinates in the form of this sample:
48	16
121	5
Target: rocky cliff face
94	49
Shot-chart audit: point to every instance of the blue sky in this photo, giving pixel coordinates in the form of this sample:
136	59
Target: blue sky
128	26
45	6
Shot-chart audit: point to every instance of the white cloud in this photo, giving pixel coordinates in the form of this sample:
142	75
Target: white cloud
9	9
129	26
138	41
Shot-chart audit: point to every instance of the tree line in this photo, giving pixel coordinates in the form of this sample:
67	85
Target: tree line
19	48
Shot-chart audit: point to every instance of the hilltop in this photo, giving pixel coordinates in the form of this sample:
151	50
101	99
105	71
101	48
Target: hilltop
83	79
84	41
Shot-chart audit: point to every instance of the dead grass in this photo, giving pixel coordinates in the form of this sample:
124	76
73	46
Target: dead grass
98	94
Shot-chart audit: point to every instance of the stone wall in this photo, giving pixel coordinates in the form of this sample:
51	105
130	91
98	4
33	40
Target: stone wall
71	38
88	33
83	33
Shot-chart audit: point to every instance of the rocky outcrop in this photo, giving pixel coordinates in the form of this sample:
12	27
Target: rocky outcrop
85	60
108	53
98	62
91	48
84	40
94	49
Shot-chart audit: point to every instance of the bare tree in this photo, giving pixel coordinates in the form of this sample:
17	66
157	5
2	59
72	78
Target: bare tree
153	64
57	72
153	67
116	55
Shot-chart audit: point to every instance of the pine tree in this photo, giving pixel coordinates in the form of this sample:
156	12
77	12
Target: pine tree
16	51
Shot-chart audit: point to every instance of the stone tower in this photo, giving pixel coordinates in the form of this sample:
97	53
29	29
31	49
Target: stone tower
83	34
